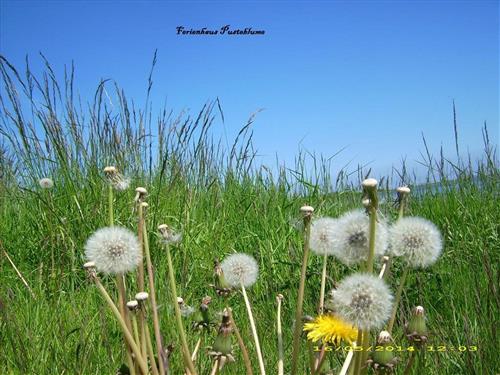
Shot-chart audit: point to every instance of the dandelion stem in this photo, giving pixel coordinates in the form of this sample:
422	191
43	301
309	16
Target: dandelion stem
280	338
151	352
397	299
215	368
312	362
358	355
195	351
254	330
241	344
185	350
128	336
300	297
140	277
409	365
156	321
110	205
323	285
123	311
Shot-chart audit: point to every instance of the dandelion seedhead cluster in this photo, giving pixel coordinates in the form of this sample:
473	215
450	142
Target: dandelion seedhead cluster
363	300
350	237
416	240
114	250
240	269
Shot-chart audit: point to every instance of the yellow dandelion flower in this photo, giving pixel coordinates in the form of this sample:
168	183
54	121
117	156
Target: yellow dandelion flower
330	328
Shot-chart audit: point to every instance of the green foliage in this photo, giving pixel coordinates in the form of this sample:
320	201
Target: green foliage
223	203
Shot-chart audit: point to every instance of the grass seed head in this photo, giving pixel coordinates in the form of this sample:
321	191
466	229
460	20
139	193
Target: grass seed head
114	250
363	300
417	240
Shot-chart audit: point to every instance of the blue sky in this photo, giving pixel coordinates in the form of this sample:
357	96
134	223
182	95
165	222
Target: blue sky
370	76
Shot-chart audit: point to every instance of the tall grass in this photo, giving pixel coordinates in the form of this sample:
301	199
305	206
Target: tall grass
223	201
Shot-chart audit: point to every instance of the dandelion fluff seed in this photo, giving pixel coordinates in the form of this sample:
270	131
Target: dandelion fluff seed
114	250
239	269
417	240
351	237
363	300
321	239
46	183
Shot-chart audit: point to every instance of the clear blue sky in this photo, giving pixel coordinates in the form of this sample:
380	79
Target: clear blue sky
369	75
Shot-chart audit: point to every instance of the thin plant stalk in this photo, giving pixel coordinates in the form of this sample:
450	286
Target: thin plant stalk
180	327
300	298
409	365
365	343
196	349
323	285
19	274
241	344
358	356
151	352
397	299
156	320
140	277
312	362
254	330
120	284
126	332
280	338
215	368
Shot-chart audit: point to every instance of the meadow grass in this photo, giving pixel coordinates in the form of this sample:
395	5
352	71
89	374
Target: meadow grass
222	201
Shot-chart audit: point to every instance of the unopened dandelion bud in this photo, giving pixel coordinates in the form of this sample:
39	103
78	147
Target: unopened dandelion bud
222	347
383	360
180	300
202	317
416	330
279	297
222	287
89	265
366	202
144	205
132	305
140	194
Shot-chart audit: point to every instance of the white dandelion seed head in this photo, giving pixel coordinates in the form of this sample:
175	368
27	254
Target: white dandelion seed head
416	240
351	235
321	240
168	235
114	250
240	268
121	183
46	183
363	300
